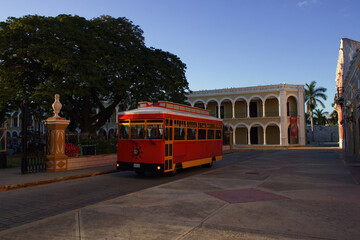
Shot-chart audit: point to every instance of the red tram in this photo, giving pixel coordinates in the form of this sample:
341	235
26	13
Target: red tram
165	136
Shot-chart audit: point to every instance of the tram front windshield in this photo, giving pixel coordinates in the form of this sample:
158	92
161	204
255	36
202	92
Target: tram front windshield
141	129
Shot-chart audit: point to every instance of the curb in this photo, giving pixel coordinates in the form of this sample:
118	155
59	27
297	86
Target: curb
61	179
52	180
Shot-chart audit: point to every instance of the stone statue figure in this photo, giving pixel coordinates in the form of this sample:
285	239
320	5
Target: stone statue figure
57	106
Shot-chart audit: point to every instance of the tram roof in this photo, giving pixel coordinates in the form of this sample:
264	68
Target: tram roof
159	110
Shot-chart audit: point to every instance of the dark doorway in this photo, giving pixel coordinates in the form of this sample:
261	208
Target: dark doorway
254	135
253	109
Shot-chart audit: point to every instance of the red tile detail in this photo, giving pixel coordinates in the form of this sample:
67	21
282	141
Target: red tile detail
245	195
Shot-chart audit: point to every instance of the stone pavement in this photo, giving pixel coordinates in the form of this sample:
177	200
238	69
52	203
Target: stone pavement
11	178
285	194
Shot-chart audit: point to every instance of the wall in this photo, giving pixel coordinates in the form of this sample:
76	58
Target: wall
323	134
91	161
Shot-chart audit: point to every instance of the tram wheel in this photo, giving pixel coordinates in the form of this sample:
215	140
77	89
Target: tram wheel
172	173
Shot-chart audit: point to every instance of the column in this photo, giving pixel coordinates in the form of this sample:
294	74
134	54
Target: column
263	107
248	109
249	140
301	117
233	110
283	119
219	108
56	125
264	129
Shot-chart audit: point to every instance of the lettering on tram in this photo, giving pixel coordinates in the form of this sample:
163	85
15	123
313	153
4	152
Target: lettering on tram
165	137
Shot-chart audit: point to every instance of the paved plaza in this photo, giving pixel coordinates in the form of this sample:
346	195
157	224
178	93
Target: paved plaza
308	193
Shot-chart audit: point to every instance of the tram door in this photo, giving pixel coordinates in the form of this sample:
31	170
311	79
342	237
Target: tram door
169	145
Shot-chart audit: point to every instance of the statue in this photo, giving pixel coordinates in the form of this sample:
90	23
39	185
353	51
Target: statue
57	106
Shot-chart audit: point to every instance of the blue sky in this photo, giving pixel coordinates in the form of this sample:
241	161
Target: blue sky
230	43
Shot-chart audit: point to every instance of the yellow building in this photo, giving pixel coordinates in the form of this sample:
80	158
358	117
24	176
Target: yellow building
257	115
348	95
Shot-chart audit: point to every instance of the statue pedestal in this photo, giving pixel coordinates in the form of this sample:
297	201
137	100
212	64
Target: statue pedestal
56	158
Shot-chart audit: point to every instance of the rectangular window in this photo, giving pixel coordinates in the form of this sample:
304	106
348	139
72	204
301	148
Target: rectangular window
179	133
168	133
191	134
137	131
210	134
124	131
154	131
169	122
202	134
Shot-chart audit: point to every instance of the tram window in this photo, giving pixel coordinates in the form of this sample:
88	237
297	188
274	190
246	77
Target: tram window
191	124
137	121
168	122
168	134
154	121
138	131
124	132
191	134
218	134
179	133
202	125
154	131
202	134
210	134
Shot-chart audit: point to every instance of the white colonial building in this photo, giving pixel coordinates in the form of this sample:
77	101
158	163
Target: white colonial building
265	115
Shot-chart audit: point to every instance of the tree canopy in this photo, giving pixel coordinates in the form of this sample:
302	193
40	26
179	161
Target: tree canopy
93	64
313	96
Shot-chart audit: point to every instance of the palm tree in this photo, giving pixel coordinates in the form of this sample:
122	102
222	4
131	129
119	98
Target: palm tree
312	99
320	117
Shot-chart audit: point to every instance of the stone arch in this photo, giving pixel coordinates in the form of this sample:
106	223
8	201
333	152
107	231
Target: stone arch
15	134
291	105
272	133
272	105
102	133
272	95
188	101
241	134
256	133
199	103
240	107
255	106
212	105
226	107
111	132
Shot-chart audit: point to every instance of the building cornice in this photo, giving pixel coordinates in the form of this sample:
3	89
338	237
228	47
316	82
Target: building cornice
245	90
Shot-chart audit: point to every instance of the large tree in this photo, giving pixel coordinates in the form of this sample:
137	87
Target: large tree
320	117
93	64
313	96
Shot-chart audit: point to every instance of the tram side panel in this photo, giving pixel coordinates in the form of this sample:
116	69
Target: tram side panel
196	150
141	151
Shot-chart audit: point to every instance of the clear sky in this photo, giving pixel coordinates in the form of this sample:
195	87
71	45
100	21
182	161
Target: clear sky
230	43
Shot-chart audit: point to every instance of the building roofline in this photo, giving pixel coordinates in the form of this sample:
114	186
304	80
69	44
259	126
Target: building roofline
244	90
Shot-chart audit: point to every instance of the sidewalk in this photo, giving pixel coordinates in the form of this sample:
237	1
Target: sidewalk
11	178
285	194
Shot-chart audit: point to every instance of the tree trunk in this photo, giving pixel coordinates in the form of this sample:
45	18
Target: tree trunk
312	125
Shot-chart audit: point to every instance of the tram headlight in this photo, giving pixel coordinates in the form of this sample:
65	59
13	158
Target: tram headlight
136	151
